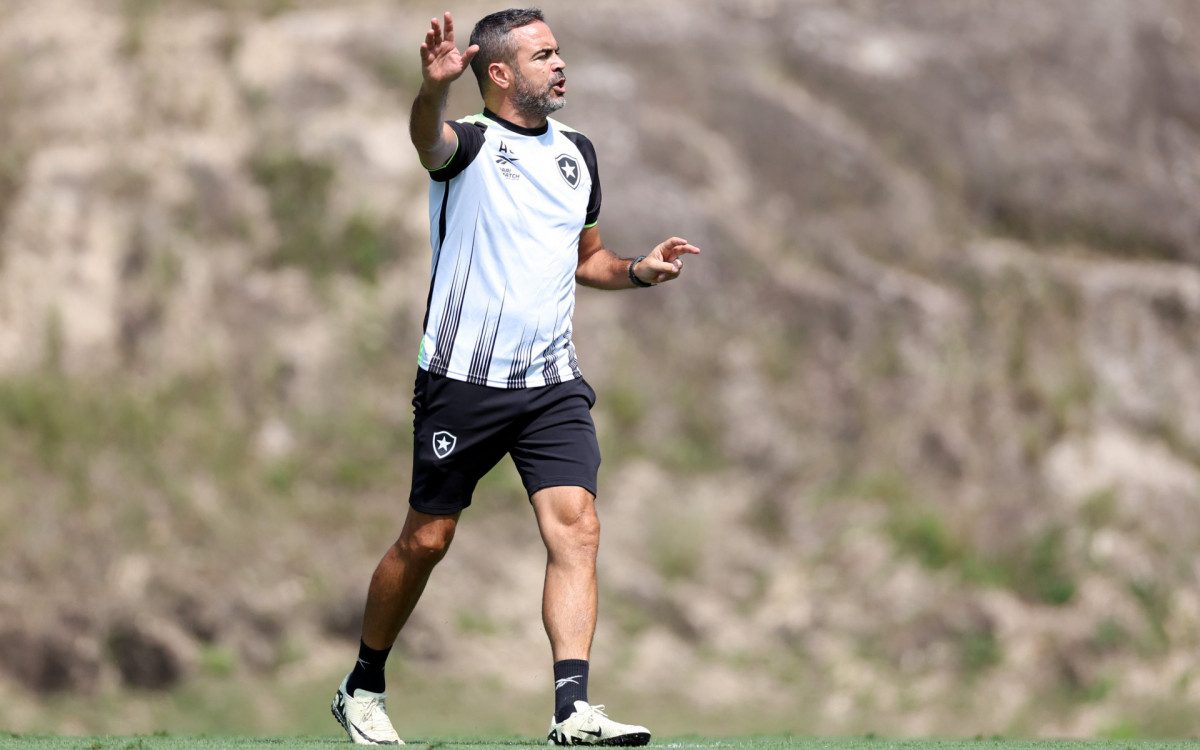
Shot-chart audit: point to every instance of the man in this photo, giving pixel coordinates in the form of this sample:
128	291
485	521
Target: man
514	200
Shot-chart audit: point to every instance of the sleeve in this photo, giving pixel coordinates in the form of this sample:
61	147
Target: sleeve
588	151
470	142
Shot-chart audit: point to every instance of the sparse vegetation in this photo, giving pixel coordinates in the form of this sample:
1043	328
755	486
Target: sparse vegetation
11	171
13	154
135	15
924	536
1044	573
1155	601
298	189
979	651
678	547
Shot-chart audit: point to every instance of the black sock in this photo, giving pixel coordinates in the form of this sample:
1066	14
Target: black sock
368	672
570	685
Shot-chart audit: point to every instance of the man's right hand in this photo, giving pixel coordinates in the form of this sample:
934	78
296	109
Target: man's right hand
441	65
441	62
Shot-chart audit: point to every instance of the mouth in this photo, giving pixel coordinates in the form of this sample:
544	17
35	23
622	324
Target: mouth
560	86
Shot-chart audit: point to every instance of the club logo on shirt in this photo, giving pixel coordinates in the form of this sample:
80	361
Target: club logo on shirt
569	169
443	443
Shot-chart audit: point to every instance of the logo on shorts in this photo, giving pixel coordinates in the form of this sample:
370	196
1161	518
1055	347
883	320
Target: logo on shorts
569	169
443	443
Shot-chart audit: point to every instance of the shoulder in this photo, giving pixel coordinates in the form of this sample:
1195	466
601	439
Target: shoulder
470	128
562	127
477	120
470	134
581	141
568	132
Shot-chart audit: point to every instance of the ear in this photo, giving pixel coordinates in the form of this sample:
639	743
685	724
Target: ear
501	75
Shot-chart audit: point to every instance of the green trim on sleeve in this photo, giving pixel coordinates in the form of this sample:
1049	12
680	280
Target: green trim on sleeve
589	226
452	155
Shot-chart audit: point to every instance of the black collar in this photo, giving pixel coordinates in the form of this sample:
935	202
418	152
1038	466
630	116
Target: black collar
513	126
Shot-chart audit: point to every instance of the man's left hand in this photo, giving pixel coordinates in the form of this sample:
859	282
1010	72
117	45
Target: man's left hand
664	262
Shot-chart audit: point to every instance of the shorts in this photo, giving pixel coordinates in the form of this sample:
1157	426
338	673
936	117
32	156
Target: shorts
462	430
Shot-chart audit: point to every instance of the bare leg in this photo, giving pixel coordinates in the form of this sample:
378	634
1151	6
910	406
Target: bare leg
571	531
401	575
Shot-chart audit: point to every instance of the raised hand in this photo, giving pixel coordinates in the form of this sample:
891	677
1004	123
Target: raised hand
441	62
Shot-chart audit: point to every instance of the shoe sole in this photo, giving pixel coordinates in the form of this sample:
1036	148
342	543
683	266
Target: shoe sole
341	718
636	739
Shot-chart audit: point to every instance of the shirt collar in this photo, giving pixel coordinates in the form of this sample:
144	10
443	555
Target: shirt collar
513	126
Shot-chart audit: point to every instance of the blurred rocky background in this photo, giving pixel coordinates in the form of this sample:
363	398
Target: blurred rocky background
913	448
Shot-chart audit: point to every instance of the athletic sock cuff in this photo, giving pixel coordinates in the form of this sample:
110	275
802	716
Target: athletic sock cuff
570	685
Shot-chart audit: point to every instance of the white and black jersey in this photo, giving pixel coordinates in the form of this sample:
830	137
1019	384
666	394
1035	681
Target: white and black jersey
505	213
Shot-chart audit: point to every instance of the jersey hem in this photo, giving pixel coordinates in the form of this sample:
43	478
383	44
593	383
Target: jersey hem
502	384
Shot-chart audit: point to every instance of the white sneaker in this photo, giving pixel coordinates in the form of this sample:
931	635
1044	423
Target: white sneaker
589	726
364	717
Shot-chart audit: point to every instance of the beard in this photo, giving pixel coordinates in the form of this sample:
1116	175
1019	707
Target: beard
530	101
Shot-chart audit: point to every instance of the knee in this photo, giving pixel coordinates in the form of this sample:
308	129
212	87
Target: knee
427	544
581	531
588	527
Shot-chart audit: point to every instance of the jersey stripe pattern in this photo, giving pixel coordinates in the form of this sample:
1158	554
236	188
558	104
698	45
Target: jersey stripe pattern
505	213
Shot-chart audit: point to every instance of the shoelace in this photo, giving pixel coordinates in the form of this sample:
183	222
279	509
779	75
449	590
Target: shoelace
373	705
594	713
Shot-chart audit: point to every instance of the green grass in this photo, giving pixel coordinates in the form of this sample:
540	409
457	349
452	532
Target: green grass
869	742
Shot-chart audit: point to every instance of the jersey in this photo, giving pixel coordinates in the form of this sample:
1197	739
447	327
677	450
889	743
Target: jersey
505	213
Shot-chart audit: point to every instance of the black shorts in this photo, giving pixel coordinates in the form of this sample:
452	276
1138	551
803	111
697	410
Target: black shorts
462	430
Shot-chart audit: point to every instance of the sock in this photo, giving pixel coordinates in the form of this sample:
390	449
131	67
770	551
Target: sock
570	685
368	672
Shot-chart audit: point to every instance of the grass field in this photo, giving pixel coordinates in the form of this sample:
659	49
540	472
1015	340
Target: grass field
166	742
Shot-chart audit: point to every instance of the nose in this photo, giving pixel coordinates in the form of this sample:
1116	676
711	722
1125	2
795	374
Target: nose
557	63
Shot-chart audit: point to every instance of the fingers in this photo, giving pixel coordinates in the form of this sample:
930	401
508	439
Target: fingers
681	245
433	38
663	270
675	247
666	260
685	249
439	43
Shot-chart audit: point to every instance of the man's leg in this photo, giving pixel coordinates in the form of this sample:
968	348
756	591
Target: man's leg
401	575
396	586
571	531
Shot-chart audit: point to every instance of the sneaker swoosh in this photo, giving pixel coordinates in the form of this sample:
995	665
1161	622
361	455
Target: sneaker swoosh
371	739
594	734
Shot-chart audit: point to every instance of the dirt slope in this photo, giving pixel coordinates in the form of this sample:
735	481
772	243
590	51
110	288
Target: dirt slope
913	448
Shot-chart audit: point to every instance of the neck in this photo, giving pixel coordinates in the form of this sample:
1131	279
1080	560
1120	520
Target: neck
505	110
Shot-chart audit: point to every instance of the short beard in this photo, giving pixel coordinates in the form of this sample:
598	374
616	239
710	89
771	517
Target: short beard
534	103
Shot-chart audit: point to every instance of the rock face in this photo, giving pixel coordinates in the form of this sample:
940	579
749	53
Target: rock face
914	445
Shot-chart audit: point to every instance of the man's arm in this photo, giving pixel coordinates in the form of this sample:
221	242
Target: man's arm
601	269
441	65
